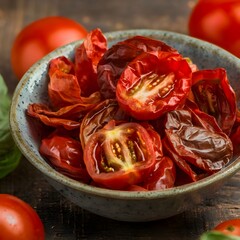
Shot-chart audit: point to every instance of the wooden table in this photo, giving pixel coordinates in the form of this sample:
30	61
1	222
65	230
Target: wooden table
61	218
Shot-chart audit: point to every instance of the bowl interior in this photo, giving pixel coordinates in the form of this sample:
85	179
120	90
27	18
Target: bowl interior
33	89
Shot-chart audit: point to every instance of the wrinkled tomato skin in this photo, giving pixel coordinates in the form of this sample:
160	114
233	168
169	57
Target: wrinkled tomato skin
163	176
216	21
117	57
99	116
215	96
229	227
190	142
153	84
65	154
41	37
87	57
119	156
18	220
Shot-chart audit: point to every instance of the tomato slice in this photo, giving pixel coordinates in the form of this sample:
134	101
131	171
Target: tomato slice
153	84
117	57
214	95
118	156
99	116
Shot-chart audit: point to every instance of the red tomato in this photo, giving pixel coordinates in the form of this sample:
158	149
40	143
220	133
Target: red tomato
215	96
152	85
163	176
41	37
217	21
118	156
65	155
229	227
18	220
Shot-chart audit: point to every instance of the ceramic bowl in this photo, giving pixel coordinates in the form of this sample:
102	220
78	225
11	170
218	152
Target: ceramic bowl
121	205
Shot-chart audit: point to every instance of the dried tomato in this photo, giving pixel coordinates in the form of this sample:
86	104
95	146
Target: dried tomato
65	155
99	116
63	87
119	55
194	147
68	117
87	56
214	95
153	84
118	156
163	175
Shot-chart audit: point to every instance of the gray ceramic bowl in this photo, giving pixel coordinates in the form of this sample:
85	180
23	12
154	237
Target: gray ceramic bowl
121	205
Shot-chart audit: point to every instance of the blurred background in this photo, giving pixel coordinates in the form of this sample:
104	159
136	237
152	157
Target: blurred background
108	15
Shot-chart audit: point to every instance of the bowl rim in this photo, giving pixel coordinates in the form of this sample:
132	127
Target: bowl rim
51	173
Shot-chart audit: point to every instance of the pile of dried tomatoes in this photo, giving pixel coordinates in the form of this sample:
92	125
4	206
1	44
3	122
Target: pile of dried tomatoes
136	116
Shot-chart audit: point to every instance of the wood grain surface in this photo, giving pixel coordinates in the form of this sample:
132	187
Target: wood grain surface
61	218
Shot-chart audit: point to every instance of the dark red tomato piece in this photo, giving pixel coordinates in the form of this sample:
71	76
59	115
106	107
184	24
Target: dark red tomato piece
215	96
87	56
152	85
163	175
99	116
216	21
229	227
65	155
118	156
119	55
190	144
40	37
18	220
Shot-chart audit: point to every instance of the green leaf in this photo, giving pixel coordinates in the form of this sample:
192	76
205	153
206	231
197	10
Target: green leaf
214	235
9	161
9	153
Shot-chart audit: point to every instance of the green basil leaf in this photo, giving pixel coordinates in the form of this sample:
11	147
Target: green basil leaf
9	161
214	235
9	153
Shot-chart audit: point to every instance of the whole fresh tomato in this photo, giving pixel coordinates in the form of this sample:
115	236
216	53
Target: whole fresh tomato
18	220
217	21
229	227
41	37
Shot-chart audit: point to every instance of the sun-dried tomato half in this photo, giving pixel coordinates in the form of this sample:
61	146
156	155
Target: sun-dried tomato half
118	156
214	95
153	84
117	57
